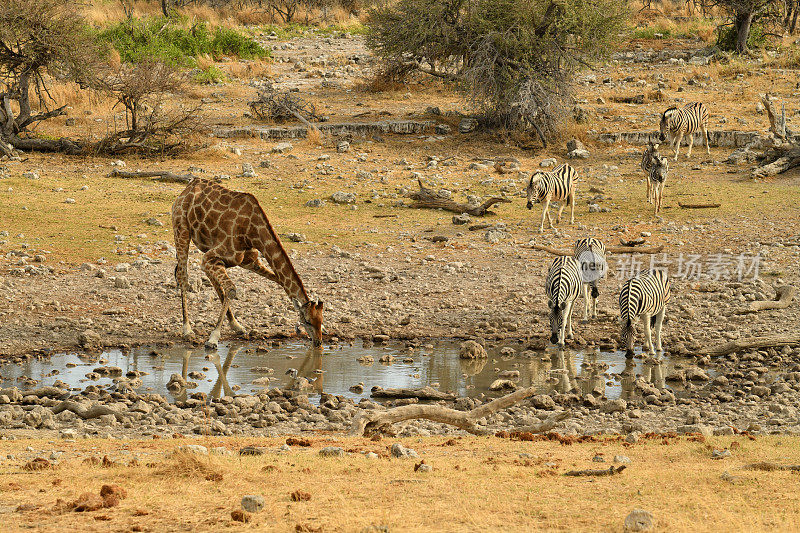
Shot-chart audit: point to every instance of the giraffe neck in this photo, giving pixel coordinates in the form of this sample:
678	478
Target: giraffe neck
273	251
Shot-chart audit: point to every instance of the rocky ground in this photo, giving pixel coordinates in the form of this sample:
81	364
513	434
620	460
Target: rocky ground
413	275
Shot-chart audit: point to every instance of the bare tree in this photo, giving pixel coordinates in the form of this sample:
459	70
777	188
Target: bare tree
142	89
40	39
514	60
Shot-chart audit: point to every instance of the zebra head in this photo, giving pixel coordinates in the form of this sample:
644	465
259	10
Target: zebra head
626	334
557	316
534	189
666	122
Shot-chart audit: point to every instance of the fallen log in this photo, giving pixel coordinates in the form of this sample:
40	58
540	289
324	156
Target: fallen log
425	393
771	467
157	175
783	153
45	392
783	299
609	249
95	411
374	421
429	199
755	343
698	206
611	471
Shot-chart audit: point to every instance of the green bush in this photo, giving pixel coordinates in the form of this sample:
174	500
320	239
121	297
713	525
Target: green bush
210	75
172	41
726	37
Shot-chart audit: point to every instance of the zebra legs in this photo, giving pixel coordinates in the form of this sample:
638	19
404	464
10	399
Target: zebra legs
568	320
649	191
571	199
648	337
659	323
586	301
679	140
545	213
691	143
705	135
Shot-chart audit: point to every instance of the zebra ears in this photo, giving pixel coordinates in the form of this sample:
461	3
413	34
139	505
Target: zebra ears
550	304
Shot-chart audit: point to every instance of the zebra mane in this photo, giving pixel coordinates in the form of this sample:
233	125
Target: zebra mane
536	177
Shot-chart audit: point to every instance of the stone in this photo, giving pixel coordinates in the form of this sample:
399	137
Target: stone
503	385
248	171
253	503
614	406
68	434
546	163
463	218
467	125
192	448
153	221
89	338
332	451
622	459
639	520
424	468
316	202
443	129
472	350
399	451
122	282
342	146
340	197
69	200
281	148
30	175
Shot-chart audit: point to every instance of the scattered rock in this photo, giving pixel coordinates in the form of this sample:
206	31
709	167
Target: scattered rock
240	516
463	218
342	146
639	520
281	148
467	125
340	197
253	503
472	350
332	451
400	451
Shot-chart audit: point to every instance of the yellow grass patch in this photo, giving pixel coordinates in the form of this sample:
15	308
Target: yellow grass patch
477	484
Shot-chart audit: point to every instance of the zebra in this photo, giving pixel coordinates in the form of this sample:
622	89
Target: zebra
648	155
559	185
562	286
679	122
591	255
657	179
645	296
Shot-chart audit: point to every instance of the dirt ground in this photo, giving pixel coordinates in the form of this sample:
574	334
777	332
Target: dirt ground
474	484
376	264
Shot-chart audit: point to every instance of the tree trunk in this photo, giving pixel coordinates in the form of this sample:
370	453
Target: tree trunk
164	8
743	23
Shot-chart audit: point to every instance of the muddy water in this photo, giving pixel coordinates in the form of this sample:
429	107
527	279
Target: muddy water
244	369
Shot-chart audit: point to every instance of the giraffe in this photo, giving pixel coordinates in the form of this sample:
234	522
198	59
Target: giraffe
231	229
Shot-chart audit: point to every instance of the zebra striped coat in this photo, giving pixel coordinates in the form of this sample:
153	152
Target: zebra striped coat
562	286
557	185
645	296
676	123
657	179
648	156
591	256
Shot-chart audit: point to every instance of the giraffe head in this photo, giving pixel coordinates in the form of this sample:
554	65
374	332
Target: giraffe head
311	320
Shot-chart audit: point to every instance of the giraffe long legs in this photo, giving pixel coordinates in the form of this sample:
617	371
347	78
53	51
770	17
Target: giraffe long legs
182	240
215	270
252	263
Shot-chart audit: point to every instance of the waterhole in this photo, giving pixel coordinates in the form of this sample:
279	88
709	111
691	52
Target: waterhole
347	370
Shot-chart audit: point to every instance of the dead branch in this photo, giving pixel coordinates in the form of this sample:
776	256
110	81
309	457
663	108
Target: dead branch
610	249
372	421
783	299
44	392
612	470
429	199
771	467
425	393
755	343
782	152
158	175
282	105
95	411
697	206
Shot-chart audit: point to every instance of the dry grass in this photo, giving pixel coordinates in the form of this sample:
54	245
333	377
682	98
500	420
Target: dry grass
245	70
314	137
477	484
